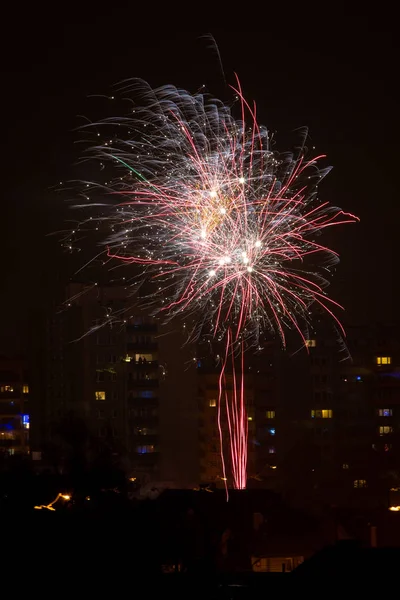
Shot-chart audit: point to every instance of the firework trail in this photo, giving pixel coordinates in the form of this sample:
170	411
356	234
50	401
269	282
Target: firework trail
222	227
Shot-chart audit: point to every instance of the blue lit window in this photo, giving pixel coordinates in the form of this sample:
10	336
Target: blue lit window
271	430
146	394
358	378
147	449
25	421
385	412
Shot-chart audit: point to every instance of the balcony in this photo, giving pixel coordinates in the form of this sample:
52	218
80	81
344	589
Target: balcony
7	409
142	328
143	440
143	399
147	457
10	395
142	383
141	346
149	364
145	421
9	443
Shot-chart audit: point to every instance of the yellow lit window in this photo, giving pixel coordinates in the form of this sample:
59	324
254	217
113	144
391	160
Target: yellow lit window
345	466
6	388
360	483
311	343
8	435
25	389
213	403
270	414
383	360
385	429
325	413
144	358
100	395
385	412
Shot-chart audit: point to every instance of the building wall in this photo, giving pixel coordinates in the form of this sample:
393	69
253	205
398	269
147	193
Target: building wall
14	407
343	443
211	450
325	421
108	364
178	408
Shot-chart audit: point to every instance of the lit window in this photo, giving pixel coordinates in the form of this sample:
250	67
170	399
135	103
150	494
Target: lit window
145	394
25	421
345	466
213	403
325	413
385	429
147	449
100	395
385	412
143	359
6	388
8	435
270	414
311	343
25	389
360	483
383	360
144	431
271	430
271	450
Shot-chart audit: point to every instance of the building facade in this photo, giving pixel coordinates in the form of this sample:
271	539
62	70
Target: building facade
14	407
324	422
261	396
109	366
341	417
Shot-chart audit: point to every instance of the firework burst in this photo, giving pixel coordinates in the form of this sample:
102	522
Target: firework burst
220	225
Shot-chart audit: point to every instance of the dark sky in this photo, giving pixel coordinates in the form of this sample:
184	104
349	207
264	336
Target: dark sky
337	76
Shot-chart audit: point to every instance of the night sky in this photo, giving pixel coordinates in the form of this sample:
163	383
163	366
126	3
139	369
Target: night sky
338	77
